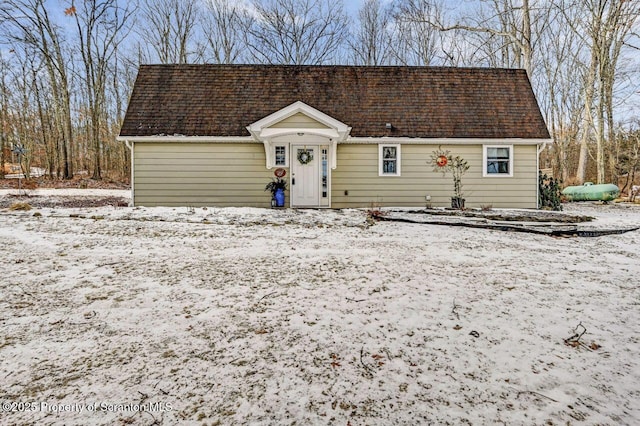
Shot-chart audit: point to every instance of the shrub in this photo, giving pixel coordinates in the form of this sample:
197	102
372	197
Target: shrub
486	207
20	206
549	192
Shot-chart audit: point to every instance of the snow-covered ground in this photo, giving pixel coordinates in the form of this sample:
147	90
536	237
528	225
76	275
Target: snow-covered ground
35	172
118	315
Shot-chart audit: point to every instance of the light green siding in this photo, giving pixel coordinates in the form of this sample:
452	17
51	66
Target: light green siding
200	174
234	174
357	175
298	120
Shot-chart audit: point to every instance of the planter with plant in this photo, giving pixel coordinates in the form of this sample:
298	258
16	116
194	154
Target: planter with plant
443	161
277	187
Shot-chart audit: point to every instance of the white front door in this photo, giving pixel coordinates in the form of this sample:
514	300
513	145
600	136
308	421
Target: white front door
305	176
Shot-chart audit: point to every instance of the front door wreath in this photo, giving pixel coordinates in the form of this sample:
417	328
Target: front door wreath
305	156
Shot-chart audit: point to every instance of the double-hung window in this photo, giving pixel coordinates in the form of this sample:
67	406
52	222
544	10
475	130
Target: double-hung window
389	160
498	160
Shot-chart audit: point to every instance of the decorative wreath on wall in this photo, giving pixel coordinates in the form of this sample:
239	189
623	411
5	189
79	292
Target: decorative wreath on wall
305	156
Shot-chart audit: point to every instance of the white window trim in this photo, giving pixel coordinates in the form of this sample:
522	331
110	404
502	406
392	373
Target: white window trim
286	155
484	162
398	159
325	201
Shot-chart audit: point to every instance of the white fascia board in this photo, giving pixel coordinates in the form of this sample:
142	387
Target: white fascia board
445	141
129	145
542	145
271	132
295	108
191	139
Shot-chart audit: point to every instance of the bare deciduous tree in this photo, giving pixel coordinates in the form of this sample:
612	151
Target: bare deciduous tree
170	27
224	28
370	42
101	26
507	31
559	91
4	115
297	32
628	164
416	38
27	22
605	27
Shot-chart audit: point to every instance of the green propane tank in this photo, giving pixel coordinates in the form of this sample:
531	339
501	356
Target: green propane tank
591	192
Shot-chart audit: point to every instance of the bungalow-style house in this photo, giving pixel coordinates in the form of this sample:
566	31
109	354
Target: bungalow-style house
342	136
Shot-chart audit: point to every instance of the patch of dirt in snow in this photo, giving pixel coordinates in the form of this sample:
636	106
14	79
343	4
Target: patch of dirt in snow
79	181
254	316
68	198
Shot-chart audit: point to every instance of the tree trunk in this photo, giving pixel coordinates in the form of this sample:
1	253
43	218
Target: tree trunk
587	120
600	141
3	124
527	50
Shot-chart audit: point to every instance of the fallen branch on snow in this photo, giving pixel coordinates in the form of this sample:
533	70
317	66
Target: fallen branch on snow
575	339
534	393
267	295
368	369
559	231
453	311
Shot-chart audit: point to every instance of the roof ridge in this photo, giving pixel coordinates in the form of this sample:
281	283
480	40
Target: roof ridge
337	66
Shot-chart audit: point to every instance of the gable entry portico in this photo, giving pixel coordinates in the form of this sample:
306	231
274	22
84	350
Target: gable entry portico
301	130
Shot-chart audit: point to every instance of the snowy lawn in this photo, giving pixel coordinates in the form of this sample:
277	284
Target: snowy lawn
116	315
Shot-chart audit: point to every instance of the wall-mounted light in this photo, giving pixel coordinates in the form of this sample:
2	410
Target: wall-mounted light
389	126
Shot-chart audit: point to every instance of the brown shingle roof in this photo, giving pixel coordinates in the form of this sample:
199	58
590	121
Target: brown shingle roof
429	102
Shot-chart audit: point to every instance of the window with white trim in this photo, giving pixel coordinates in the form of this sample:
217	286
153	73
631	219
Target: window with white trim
280	155
498	160
389	160
324	152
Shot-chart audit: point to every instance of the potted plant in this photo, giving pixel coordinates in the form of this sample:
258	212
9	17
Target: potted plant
277	187
444	161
